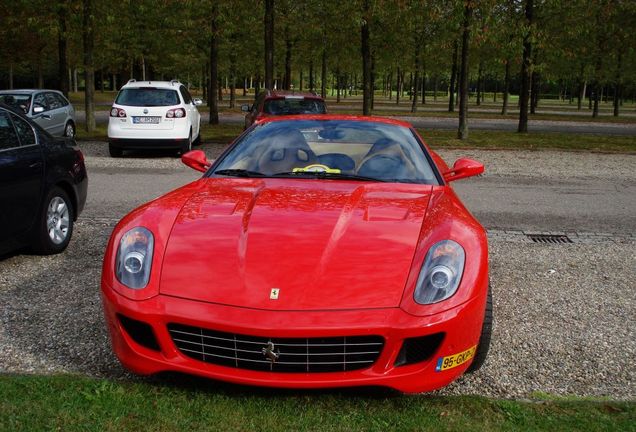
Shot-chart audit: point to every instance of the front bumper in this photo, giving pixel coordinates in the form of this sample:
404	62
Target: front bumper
461	327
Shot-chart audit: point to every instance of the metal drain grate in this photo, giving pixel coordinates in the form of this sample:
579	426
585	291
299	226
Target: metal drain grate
549	238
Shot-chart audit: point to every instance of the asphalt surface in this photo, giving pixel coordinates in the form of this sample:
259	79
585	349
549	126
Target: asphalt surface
563	312
598	128
523	190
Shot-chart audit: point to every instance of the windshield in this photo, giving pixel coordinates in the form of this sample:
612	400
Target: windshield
147	97
358	150
17	100
289	106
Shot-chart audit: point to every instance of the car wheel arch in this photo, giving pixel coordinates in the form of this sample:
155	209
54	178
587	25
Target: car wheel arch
70	191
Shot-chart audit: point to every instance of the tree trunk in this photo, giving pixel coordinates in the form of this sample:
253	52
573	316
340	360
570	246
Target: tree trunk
423	62
323	73
62	66
288	59
11	75
232	79
269	43
416	78
534	99
435	84
480	70
526	69
338	84
89	75
399	86
372	81
75	84
451	89
462	131
301	79
214	87
506	89
244	86
617	83
40	72
366	57
311	76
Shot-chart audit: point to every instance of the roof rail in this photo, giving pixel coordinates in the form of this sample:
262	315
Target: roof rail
174	81
132	80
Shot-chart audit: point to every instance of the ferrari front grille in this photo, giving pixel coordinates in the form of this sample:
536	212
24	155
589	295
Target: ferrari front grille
331	354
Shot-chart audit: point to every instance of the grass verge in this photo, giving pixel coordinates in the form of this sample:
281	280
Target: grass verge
73	403
530	141
225	133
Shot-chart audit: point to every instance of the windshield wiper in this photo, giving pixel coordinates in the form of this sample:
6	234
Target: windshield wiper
324	174
235	172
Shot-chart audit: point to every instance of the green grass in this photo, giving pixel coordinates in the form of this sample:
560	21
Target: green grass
71	403
225	133
530	141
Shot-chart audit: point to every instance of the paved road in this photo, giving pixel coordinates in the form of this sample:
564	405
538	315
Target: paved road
582	202
623	129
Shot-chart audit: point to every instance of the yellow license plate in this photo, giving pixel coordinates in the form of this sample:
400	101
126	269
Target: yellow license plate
449	362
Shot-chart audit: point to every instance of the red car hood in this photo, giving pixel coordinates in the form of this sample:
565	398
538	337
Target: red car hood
324	244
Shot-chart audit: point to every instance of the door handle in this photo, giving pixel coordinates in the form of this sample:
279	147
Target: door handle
35	165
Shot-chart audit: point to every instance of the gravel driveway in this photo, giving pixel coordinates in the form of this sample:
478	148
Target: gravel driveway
564	314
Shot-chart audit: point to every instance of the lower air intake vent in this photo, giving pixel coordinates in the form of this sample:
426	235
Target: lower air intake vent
418	349
332	354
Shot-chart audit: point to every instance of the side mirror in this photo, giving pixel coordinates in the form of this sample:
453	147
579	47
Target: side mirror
37	109
197	101
196	159
463	168
245	108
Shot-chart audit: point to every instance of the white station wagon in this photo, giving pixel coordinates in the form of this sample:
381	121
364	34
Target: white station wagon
153	114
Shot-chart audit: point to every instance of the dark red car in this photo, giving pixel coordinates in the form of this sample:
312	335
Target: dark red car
282	102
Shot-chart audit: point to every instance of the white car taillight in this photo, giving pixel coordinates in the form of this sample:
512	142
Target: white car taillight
176	113
117	112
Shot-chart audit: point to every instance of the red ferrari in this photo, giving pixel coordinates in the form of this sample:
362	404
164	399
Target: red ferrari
317	251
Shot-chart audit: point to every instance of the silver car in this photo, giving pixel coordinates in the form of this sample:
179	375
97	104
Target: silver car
48	108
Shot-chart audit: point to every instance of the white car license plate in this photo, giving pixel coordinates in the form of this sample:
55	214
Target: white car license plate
146	120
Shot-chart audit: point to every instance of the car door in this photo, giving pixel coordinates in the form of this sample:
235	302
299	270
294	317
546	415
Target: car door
21	176
40	112
57	113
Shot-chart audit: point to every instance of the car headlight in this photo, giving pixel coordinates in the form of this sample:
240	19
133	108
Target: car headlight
441	273
134	258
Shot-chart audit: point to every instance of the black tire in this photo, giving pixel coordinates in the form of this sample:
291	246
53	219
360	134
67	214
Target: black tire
69	130
484	340
186	146
197	141
43	243
115	151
